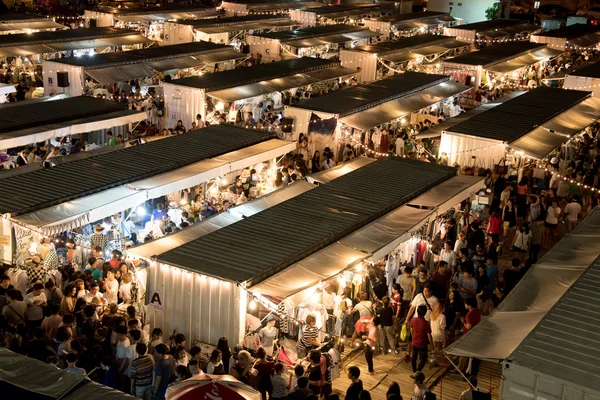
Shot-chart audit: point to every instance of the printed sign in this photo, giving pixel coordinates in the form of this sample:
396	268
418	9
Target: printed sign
155	300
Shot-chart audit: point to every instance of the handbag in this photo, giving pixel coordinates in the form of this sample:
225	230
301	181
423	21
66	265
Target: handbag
501	167
404	333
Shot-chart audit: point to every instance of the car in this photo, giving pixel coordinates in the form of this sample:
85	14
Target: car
593	12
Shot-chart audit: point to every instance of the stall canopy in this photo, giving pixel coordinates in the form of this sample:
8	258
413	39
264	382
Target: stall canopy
69	39
25	22
416	20
495	27
339	170
330	212
164	12
534	121
25	123
499	335
320	35
26	378
170	165
116	67
266	6
234	24
268	72
343	10
580	35
505	57
366	106
591	70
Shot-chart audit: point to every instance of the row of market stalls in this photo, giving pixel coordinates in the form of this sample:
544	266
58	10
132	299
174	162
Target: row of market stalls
87	118
530	125
287	272
379	60
501	65
231	30
411	24
336	14
544	333
355	115
265	7
233	92
12	23
574	37
493	31
321	41
195	58
118	188
586	78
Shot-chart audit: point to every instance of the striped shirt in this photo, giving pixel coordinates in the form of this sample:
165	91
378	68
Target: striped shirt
279	386
309	332
141	370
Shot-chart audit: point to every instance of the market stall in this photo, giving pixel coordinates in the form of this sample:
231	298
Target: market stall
11	24
231	31
148	20
84	118
336	14
405	25
493	31
586	78
422	52
357	115
528	126
179	170
240	91
321	41
501	65
578	37
104	69
265	7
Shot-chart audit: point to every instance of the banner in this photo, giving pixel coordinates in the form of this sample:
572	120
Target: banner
321	126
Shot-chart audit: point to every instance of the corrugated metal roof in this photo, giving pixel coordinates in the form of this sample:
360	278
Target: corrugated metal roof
571	31
348	101
19	17
262	72
29	115
268	242
513	119
491	25
163	8
145	55
404	44
415	16
66	35
494	54
343	10
565	344
591	71
51	186
308	33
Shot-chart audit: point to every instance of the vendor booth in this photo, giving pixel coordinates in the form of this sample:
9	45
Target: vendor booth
528	126
105	69
149	20
180	172
502	65
245	7
336	14
231	31
422	52
83	118
230	93
11	24
403	25
358	115
520	334
321	41
575	37
494	31
586	78
284	275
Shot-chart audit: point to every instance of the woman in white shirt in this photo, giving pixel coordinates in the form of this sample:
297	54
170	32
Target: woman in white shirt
125	288
111	287
551	224
215	365
521	243
438	329
448	255
461	243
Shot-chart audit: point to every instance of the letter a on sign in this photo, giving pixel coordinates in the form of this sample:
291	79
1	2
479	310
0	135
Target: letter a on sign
156	300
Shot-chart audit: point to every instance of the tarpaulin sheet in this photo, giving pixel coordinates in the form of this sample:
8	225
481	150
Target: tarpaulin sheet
339	170
497	336
109	75
524	60
175	63
401	57
220	56
450	193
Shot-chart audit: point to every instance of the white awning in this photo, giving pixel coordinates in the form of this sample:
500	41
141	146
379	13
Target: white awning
497	336
28	26
78	212
164	244
7	88
339	170
42	133
450	193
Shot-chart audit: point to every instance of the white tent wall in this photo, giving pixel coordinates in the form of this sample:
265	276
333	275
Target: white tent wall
198	306
175	33
583	83
99	136
466	35
269	48
222	37
552	42
521	383
75	74
234	9
462	148
304	17
183	103
366	61
6	248
301	119
382	27
102	19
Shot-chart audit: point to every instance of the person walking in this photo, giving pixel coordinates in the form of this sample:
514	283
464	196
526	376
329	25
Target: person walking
421	338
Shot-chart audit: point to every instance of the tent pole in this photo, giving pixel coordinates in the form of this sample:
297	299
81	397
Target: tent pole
460	372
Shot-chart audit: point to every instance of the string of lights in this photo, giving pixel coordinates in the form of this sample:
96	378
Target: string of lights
564	178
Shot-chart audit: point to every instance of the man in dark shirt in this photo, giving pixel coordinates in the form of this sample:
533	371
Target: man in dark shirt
512	276
302	392
441	280
5	285
38	348
476	237
464	263
356	386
